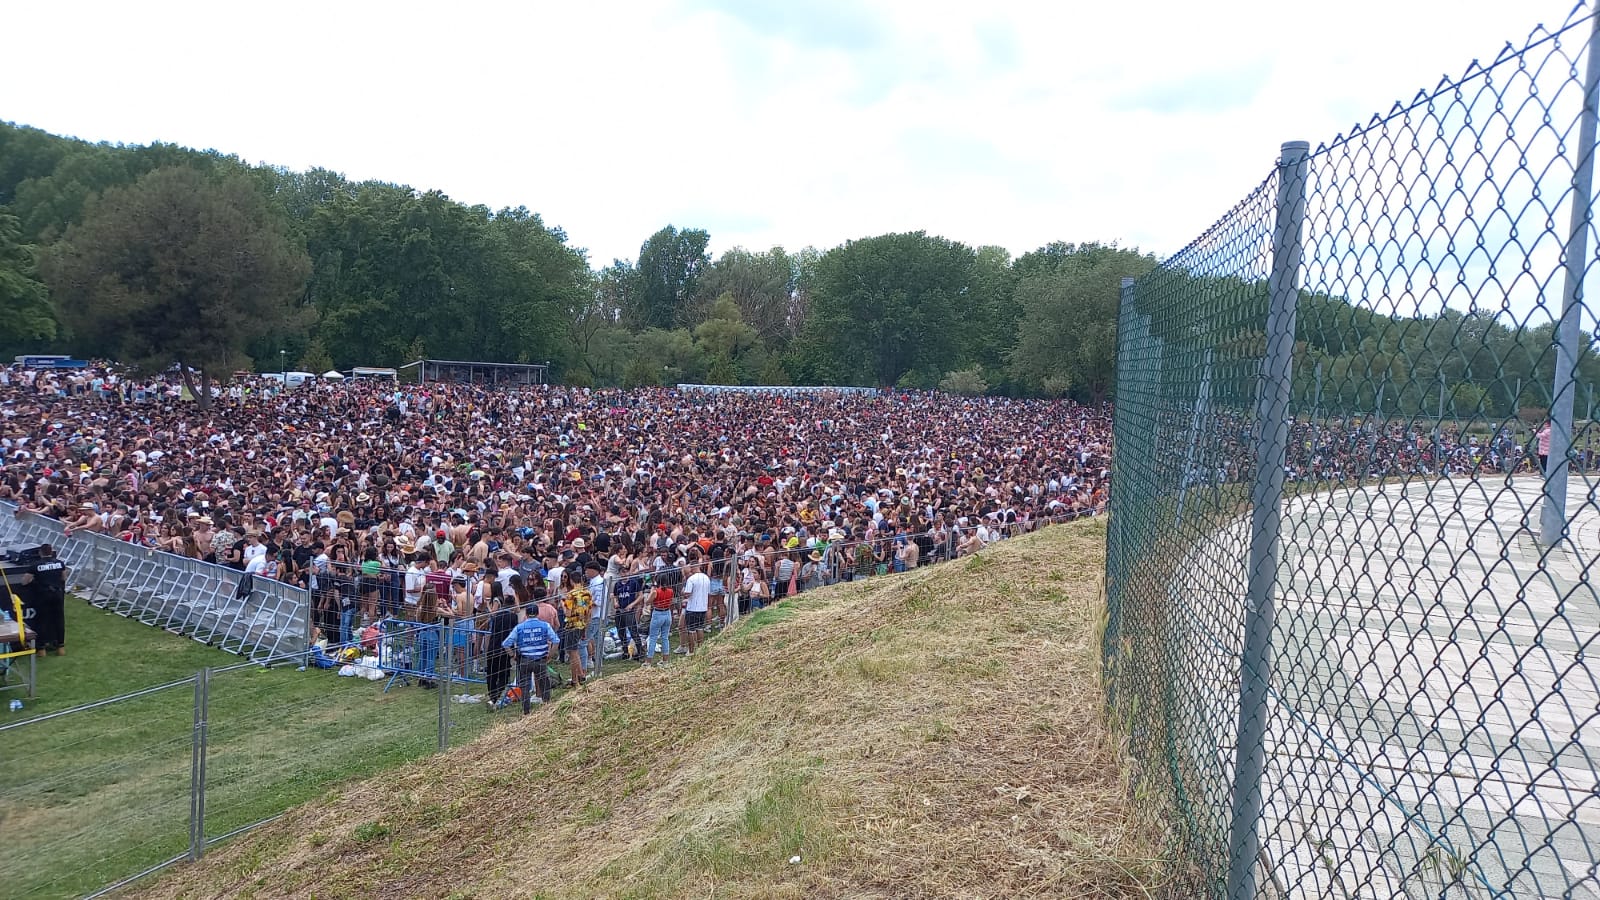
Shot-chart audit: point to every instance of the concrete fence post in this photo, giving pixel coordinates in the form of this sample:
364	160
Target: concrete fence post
1564	387
1266	497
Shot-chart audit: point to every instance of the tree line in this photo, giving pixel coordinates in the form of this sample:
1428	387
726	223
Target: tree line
156	255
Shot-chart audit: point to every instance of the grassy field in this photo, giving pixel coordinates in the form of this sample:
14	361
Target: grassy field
96	796
937	733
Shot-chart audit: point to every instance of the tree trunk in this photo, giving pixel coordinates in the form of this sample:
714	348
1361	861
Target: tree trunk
202	397
188	380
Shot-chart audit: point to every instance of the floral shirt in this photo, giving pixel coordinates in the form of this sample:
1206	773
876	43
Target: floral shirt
577	605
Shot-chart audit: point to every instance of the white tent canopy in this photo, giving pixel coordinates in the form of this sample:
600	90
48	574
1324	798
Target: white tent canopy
333	375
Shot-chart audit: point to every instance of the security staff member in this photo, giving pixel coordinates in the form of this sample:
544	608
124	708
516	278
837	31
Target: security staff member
533	641
47	595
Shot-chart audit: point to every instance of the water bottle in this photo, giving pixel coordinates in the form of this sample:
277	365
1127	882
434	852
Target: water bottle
16	705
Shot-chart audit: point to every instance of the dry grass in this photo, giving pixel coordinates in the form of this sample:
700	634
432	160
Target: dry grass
938	733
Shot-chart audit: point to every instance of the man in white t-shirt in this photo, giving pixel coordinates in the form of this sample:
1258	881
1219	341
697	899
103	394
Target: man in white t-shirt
504	575
253	549
416	573
697	599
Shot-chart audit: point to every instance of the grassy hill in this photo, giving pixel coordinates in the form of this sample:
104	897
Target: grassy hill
937	733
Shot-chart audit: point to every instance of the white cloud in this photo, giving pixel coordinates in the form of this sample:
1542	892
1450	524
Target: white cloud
764	122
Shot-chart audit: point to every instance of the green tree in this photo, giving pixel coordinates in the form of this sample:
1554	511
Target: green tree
965	381
640	373
762	285
992	323
316	359
393	266
773	372
667	277
672	354
724	335
179	267
1067	336
25	313
886	307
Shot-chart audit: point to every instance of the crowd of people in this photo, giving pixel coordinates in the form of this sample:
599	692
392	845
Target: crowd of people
455	503
486	507
1350	449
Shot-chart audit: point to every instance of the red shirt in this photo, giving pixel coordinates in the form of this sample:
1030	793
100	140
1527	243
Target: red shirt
661	599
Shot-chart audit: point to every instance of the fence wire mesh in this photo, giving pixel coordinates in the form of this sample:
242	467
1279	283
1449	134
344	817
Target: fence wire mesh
123	807
1355	531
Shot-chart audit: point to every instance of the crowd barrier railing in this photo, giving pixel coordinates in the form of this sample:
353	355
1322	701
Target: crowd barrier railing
254	617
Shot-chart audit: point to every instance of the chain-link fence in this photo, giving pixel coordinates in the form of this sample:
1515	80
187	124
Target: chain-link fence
1352	559
122	806
102	794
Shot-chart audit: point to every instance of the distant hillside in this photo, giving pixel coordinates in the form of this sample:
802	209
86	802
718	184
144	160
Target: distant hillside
931	734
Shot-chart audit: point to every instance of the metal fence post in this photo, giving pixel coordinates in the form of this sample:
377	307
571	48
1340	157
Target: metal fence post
1117	528
1266	508
446	668
1195	423
197	765
610	589
1553	515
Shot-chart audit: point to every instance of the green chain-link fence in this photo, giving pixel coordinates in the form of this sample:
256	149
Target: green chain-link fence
1355	540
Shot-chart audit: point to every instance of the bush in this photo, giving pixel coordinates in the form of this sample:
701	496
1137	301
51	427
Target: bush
965	381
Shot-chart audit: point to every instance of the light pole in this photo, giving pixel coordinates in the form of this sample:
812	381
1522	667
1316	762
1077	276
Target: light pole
283	369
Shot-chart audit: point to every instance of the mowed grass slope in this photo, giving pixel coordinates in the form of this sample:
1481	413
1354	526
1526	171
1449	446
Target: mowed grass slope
938	733
99	795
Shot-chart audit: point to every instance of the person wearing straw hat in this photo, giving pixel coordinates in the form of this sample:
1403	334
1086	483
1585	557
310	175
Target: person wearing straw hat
811	572
88	519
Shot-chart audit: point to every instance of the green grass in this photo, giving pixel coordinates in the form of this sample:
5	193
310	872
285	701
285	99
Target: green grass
108	655
99	795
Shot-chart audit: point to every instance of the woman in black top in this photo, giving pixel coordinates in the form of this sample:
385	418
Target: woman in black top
501	621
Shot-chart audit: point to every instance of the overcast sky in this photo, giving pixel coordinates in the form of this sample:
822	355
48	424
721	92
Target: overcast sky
793	123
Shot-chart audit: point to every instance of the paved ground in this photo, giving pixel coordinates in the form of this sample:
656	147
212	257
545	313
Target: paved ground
1435	720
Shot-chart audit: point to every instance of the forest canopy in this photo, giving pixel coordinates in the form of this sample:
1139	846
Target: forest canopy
319	272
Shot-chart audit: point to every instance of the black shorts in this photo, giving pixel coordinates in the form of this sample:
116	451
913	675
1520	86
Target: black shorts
572	637
694	621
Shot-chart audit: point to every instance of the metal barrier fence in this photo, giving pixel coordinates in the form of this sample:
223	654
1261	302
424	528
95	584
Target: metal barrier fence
776	389
256	618
1350	616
